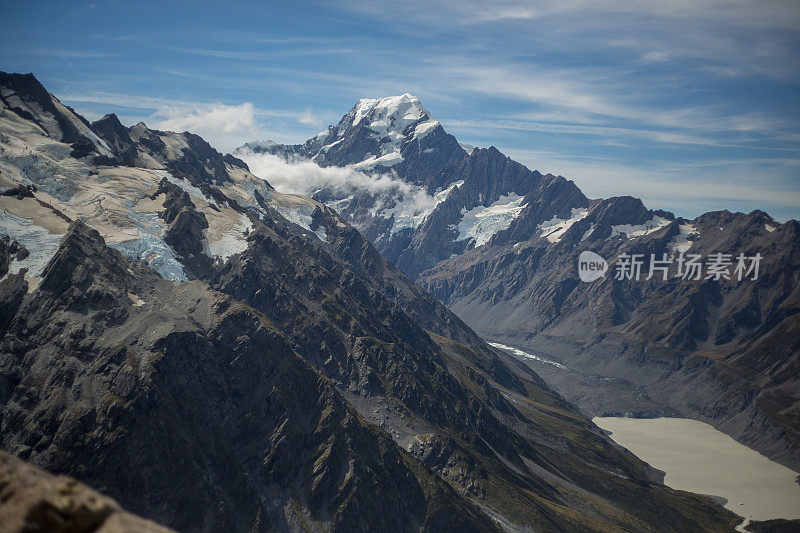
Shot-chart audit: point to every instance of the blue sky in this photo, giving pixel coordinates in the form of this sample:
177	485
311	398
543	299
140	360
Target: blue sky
691	105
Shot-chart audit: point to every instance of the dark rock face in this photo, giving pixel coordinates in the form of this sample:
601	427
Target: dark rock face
13	287
33	501
487	175
25	91
12	290
9	250
778	525
185	225
190	388
141	146
199	404
110	129
201	160
194	156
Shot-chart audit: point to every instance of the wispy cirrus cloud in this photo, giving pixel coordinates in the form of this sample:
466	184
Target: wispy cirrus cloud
64	53
585	102
764	14
308	117
261	55
628	88
674	185
606	132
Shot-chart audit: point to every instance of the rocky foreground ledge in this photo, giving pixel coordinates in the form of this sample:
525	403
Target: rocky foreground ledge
32	500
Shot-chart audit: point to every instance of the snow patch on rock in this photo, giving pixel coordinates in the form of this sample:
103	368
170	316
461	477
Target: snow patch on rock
588	232
301	215
638	230
481	223
231	242
424	128
413	208
385	160
341	204
331	145
554	229
184	184
681	242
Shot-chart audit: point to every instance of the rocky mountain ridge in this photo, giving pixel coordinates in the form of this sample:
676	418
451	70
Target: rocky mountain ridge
215	354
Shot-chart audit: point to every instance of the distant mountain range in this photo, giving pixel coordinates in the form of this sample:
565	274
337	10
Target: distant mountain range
217	355
499	244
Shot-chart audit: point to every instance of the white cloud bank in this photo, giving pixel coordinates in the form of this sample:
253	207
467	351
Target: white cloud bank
305	177
211	122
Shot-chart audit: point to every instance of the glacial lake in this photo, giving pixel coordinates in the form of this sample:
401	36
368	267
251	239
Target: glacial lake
698	458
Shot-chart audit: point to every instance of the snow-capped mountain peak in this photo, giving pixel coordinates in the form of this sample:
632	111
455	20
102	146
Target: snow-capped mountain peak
390	134
400	110
390	151
392	121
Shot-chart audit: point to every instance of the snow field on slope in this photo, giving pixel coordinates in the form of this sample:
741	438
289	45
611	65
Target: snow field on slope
301	215
40	243
149	247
